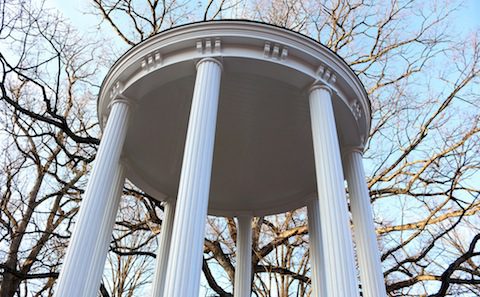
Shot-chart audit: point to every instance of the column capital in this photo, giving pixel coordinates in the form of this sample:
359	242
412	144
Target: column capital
353	149
321	86
171	200
244	217
120	98
244	214
211	60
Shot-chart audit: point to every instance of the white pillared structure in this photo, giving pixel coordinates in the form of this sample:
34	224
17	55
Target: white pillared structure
231	118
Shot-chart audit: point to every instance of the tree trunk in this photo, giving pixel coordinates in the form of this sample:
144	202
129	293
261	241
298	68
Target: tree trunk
10	283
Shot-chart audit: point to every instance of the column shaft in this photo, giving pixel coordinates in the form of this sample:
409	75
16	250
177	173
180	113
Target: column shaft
90	226
341	276
243	270
184	267
101	249
371	276
163	250
316	249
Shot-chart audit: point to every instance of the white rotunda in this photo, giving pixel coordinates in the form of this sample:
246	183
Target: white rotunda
231	118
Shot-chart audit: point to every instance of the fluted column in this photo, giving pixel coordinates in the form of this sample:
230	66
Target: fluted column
184	267
92	284
341	276
371	276
90	226
243	270
163	250
316	249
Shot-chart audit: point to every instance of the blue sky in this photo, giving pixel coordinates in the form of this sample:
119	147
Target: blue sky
468	17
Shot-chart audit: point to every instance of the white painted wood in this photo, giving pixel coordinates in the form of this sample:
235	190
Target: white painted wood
371	276
184	267
341	276
163	250
243	269
316	249
90	229
262	137
92	284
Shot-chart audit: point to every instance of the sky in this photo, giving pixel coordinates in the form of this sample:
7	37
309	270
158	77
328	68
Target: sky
467	18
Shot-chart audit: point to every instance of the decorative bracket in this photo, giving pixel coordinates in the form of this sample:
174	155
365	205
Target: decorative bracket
116	95
209	46
275	51
116	89
151	61
356	109
326	74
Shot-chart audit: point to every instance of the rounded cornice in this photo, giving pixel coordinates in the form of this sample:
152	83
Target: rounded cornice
240	38
275	69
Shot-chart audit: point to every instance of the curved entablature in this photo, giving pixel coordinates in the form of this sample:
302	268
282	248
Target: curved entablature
231	118
263	115
245	39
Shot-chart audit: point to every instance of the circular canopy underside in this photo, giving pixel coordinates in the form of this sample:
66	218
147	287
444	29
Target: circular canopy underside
263	157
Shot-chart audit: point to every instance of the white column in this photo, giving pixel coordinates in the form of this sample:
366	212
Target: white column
90	226
163	250
316	249
243	270
341	276
92	284
371	276
186	250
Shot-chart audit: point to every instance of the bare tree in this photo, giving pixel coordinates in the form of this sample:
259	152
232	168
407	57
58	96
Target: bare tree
47	142
422	157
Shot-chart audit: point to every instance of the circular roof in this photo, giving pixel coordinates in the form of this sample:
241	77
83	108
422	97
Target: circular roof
263	159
